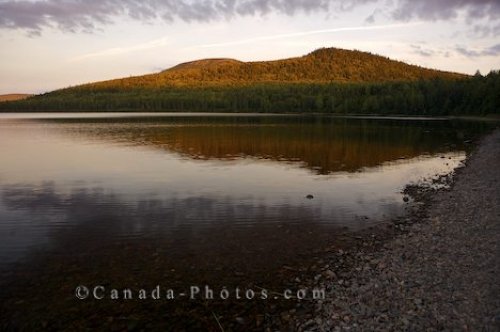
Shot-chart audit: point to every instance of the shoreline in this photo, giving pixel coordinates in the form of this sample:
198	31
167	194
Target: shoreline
435	269
368	116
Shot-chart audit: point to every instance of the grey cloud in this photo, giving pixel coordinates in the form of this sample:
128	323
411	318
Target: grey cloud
482	31
483	16
447	9
417	49
490	51
69	15
370	19
87	15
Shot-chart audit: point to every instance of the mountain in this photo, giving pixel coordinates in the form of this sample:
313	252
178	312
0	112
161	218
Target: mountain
328	80
321	66
14	96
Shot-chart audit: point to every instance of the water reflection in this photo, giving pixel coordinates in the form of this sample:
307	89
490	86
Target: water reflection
324	145
135	202
192	229
184	181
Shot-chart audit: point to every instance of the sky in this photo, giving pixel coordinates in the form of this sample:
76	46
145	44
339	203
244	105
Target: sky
52	44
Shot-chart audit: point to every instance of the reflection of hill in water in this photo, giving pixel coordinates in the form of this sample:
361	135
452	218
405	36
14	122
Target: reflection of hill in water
325	145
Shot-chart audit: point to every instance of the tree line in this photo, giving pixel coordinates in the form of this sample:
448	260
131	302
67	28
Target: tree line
477	95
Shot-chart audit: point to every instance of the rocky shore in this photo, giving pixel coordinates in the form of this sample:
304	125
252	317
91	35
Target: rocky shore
439	271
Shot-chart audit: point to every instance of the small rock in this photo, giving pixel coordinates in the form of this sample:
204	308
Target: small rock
285	316
329	274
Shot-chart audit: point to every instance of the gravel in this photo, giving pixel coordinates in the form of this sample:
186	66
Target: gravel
442	272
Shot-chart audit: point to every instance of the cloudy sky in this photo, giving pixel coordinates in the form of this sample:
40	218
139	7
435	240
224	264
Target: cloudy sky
50	44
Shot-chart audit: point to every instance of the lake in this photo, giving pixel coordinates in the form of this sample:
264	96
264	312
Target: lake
124	199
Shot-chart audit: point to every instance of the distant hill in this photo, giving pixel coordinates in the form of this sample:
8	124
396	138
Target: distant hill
328	80
14	96
325	65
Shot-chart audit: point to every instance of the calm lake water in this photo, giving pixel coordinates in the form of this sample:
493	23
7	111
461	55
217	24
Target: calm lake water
185	179
137	200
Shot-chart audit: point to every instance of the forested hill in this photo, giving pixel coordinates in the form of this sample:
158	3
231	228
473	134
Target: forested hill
14	96
326	81
325	65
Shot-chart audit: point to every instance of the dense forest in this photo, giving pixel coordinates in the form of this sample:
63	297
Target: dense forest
325	65
474	96
370	85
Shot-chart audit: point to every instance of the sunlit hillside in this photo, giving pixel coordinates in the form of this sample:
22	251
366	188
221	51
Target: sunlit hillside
325	81
14	96
321	66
